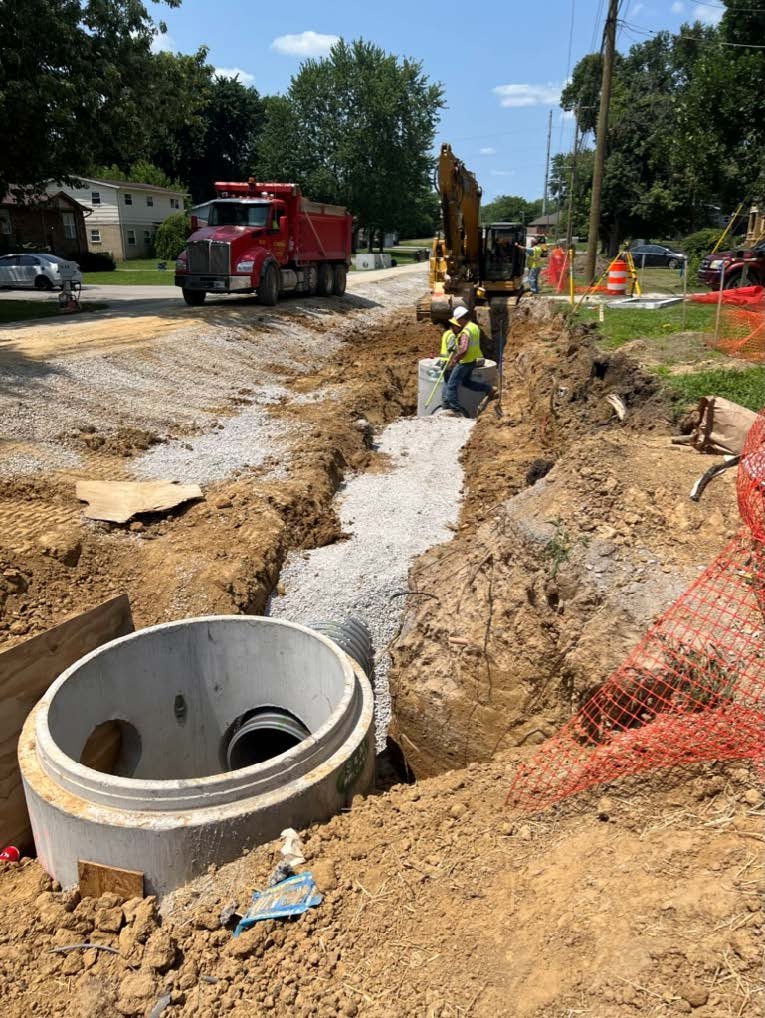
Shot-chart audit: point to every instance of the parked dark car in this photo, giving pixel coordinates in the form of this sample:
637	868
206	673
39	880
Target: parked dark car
742	267
656	256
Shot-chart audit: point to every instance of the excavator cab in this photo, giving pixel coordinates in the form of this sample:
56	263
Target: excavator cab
503	262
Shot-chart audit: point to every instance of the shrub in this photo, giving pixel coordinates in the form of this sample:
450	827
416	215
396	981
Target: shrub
170	238
97	261
700	243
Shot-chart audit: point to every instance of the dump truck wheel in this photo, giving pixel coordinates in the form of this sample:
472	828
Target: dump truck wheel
268	291
341	278
326	280
194	297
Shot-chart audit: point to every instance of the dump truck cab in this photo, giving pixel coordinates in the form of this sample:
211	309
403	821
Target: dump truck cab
266	239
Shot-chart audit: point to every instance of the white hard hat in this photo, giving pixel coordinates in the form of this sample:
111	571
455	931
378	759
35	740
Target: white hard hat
458	314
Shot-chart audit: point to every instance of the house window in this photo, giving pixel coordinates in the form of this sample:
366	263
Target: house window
95	197
147	236
131	238
175	203
70	227
95	236
5	222
128	198
149	200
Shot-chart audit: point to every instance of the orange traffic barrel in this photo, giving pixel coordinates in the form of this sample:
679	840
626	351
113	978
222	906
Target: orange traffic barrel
617	277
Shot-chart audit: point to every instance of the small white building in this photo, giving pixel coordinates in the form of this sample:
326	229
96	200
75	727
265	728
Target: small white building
123	215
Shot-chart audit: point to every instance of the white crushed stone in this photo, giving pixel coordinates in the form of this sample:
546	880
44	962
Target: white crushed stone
392	517
247	440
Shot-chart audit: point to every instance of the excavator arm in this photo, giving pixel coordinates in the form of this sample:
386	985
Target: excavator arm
456	254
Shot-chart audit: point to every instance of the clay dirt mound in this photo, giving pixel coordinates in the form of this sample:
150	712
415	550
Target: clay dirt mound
437	902
550	579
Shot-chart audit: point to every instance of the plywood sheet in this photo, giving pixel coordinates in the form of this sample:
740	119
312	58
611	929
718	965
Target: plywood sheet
95	879
119	501
26	671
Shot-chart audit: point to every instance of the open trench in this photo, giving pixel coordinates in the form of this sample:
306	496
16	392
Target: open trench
573	532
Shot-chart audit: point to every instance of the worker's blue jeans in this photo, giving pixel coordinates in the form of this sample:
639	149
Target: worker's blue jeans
460	375
534	279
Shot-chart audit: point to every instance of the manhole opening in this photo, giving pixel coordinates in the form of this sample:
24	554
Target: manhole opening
113	747
261	734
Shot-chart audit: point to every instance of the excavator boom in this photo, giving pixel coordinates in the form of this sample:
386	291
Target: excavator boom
457	256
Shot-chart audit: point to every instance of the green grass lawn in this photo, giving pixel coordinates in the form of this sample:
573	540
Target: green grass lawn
136	272
674	344
745	386
622	326
26	310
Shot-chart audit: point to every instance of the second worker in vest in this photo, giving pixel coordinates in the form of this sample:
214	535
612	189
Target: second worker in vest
461	344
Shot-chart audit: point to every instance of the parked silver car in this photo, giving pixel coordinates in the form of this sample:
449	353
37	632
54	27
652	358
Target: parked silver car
37	271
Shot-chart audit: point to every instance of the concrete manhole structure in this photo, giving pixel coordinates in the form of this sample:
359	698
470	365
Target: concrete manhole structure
211	735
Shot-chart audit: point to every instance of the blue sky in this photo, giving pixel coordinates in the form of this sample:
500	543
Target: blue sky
502	63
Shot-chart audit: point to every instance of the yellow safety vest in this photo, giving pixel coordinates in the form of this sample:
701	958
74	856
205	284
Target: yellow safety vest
448	343
535	257
474	346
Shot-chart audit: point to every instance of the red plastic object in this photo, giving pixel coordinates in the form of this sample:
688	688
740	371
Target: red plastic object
10	854
692	690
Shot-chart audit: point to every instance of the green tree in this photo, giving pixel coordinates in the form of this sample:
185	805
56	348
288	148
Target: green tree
73	85
560	187
142	171
356	128
170	238
233	117
511	208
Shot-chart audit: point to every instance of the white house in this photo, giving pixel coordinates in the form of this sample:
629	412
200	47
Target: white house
124	215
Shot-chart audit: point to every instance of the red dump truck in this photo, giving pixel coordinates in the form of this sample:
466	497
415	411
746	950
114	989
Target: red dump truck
267	239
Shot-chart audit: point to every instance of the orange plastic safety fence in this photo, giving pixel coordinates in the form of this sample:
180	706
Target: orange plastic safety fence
692	690
741	333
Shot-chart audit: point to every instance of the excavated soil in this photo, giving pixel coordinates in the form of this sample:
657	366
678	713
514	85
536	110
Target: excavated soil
576	532
437	902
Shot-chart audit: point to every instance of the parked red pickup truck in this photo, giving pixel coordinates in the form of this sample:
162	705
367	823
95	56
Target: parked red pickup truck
268	239
743	267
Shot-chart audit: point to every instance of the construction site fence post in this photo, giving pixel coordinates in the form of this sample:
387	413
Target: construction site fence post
719	305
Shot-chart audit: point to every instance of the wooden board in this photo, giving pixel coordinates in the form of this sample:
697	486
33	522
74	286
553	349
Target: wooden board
119	501
26	671
95	879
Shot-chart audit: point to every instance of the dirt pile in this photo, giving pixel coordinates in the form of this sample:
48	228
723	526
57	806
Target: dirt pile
576	531
436	902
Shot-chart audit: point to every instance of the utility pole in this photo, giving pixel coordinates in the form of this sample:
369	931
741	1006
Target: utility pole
600	148
547	164
572	185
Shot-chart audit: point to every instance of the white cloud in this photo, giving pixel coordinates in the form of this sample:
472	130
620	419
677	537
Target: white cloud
305	44
707	13
678	7
488	151
235	72
634	11
162	43
501	173
528	95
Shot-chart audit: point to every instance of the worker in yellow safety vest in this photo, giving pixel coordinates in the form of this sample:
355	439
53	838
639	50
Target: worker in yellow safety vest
533	263
461	346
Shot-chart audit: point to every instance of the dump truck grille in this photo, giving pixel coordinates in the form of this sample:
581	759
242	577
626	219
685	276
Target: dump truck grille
209	256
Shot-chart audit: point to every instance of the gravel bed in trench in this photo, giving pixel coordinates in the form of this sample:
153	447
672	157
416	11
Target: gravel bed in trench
392	518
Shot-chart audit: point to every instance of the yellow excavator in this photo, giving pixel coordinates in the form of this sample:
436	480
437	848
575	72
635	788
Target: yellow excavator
470	264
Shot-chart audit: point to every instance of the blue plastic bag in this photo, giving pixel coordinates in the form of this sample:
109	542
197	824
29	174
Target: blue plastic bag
291	897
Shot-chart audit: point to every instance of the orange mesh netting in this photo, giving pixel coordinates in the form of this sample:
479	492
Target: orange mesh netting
692	690
741	330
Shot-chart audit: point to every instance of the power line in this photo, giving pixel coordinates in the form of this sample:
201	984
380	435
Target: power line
693	38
